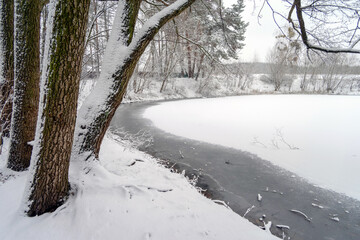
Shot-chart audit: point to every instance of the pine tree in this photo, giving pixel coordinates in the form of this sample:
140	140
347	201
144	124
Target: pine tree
204	34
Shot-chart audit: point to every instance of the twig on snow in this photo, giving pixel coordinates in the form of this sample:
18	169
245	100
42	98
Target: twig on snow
281	137
301	213
248	210
182	156
317	205
256	141
221	203
283	227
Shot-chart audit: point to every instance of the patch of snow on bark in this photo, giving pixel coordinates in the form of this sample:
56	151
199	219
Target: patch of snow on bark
42	104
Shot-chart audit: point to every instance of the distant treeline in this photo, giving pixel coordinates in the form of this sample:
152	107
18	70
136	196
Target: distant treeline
265	68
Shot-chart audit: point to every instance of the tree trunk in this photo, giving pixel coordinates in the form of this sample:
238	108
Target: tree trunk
200	66
26	88
106	20
94	120
50	159
61	76
97	44
122	36
6	65
45	13
188	52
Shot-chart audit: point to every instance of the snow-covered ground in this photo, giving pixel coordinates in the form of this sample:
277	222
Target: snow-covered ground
129	195
314	136
126	195
232	85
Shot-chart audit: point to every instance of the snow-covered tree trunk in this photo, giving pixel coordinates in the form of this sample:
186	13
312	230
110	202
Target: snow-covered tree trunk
122	53
26	87
58	105
6	64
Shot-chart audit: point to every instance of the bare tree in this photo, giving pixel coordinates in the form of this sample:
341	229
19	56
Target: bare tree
332	79
310	72
281	57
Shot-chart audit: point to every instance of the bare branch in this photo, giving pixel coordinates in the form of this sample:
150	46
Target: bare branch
304	33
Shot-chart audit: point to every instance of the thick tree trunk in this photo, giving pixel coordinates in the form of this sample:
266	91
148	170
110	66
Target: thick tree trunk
7	65
126	15
60	77
91	131
26	88
55	133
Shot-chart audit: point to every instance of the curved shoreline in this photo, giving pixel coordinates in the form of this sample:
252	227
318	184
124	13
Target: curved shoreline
238	177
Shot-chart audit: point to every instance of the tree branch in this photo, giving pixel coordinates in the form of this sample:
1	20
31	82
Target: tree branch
304	36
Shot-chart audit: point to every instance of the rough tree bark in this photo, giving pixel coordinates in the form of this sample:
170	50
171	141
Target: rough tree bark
55	131
26	87
61	76
7	65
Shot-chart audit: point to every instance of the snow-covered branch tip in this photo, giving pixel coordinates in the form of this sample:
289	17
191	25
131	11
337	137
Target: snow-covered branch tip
304	36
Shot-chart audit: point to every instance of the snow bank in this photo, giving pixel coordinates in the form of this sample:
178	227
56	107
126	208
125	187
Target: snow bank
126	195
316	137
147	88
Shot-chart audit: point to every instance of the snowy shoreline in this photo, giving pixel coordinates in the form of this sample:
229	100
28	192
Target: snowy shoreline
295	192
277	128
127	193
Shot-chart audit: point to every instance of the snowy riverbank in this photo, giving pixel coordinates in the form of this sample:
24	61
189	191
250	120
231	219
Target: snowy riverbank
231	85
125	195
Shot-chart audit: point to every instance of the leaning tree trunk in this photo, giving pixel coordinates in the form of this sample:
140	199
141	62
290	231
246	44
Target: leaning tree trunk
6	65
121	37
55	131
26	88
96	113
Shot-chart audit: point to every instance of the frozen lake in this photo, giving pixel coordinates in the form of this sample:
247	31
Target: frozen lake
316	137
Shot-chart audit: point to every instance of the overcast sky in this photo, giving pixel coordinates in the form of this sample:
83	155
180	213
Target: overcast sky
260	34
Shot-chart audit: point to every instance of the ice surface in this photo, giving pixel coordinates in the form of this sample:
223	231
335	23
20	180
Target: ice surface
316	137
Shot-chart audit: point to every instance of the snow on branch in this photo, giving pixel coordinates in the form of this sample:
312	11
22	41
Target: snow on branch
153	24
343	16
303	30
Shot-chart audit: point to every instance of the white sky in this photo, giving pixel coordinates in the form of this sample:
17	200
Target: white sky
260	34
